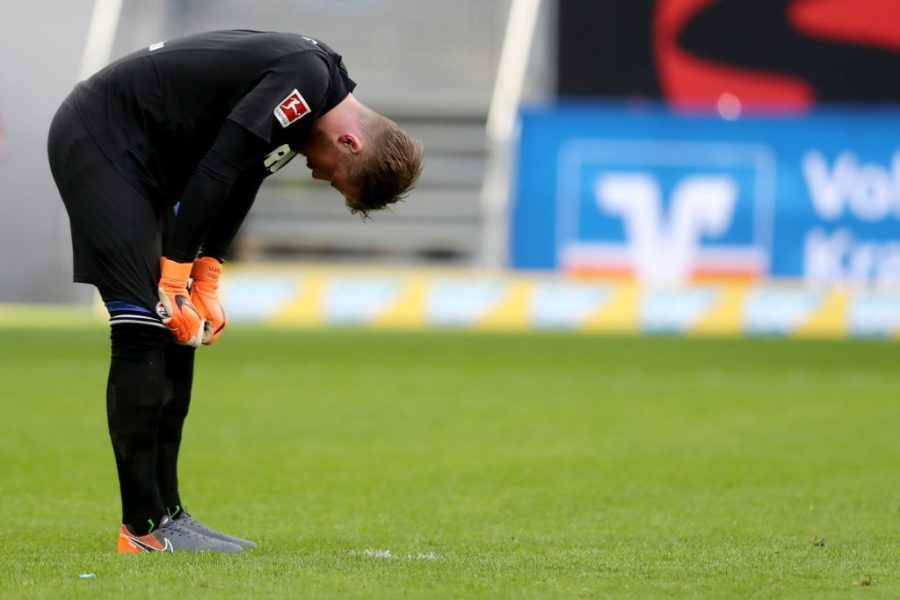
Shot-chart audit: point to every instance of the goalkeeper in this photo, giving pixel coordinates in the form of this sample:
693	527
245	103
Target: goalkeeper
158	158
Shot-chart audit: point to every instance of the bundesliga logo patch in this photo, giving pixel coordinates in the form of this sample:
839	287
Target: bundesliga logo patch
291	109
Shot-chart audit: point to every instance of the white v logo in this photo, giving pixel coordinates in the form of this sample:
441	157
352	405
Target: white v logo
664	252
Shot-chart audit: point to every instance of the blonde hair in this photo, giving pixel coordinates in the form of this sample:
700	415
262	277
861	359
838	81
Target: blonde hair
387	168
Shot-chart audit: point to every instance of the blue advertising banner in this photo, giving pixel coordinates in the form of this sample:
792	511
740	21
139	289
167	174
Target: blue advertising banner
669	199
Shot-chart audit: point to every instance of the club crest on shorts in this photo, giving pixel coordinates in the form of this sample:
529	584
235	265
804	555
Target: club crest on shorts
291	109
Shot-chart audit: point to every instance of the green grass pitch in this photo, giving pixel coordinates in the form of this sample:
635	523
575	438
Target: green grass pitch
439	465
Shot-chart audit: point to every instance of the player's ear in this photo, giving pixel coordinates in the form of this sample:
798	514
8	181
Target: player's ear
352	142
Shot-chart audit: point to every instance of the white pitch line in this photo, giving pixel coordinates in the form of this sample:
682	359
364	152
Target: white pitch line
371	553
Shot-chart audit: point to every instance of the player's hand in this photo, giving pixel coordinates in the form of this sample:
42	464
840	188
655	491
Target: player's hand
177	312
205	297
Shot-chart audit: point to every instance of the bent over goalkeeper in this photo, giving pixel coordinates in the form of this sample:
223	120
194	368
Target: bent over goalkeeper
158	158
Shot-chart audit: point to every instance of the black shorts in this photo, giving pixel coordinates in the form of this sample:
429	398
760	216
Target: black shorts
118	231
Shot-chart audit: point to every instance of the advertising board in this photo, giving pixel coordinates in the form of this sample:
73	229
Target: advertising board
670	199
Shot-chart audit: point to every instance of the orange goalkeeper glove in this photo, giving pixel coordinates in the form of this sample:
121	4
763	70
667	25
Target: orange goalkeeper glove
205	296
177	312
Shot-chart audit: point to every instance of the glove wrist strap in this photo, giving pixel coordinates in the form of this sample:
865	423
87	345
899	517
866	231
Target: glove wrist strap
175	271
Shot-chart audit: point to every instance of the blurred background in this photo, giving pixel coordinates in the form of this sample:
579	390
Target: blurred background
684	166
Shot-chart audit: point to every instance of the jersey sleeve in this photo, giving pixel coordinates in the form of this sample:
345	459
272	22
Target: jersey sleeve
289	93
236	155
231	216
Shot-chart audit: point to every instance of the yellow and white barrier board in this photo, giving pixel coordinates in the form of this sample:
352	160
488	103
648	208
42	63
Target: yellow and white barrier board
418	299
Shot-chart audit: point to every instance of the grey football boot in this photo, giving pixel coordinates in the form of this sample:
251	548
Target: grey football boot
184	519
170	536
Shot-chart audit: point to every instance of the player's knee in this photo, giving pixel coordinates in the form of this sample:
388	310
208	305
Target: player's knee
134	394
138	356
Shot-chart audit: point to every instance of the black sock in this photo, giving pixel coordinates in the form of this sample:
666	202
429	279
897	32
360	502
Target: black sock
177	399
134	397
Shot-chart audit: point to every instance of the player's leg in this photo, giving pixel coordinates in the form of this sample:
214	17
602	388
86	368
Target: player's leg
133	408
176	401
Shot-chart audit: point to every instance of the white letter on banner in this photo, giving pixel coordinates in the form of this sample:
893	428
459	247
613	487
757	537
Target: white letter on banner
870	199
827	191
824	256
701	205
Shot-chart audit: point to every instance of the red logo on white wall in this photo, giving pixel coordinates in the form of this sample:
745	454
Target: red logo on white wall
291	109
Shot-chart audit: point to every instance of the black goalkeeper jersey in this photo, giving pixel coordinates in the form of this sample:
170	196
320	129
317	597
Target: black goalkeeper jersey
157	112
200	121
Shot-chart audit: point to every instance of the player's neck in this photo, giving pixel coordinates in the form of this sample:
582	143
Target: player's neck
343	118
